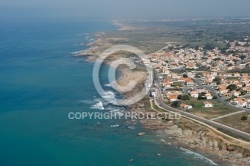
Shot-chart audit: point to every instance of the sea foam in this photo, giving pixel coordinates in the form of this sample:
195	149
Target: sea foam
197	155
108	95
98	105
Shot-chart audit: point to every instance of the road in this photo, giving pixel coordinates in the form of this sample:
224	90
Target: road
159	102
211	90
227	115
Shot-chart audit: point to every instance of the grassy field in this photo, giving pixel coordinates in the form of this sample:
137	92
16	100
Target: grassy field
247	96
178	84
208	113
235	122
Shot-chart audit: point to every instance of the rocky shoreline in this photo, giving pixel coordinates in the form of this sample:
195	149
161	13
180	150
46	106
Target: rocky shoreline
184	132
195	137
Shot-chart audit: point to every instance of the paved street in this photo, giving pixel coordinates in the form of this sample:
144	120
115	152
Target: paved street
159	101
219	99
227	115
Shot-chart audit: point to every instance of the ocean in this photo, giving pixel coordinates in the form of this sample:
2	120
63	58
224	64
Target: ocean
41	83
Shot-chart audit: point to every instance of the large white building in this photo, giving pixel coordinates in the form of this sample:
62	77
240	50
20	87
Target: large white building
207	104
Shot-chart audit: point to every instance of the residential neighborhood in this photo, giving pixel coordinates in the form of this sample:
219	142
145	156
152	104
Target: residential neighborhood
205	82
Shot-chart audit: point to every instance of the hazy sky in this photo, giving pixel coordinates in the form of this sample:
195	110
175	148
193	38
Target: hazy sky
125	8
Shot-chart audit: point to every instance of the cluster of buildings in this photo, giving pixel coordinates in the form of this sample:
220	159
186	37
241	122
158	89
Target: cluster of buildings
210	68
187	87
241	102
214	60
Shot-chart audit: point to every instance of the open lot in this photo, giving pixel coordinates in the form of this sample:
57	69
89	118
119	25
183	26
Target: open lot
236	122
208	113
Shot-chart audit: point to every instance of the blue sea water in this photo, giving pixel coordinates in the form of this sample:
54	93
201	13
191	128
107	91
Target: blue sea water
41	82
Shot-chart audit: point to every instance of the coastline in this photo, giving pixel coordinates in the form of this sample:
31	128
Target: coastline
185	133
194	137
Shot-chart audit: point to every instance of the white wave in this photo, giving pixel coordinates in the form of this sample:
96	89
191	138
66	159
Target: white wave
117	109
76	53
117	112
108	108
109	85
116	125
109	95
80	60
96	100
162	140
88	101
197	155
131	127
80	34
98	105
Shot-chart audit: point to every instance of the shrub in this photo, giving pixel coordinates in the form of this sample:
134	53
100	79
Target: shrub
244	118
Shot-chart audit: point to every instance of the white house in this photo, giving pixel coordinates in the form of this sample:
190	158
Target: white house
247	88
185	106
209	96
207	104
190	83
194	94
241	102
235	93
190	75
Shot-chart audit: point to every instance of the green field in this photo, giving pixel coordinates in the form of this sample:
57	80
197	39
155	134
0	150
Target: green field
208	113
235	122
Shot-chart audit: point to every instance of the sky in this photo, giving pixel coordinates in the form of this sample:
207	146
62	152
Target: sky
124	9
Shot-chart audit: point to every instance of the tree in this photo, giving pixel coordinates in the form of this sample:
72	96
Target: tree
202	96
232	87
183	97
176	104
242	92
242	57
185	75
244	118
237	44
217	80
170	47
247	45
208	46
224	50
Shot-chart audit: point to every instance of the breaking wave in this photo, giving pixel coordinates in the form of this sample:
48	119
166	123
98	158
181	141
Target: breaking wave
109	85
98	105
197	155
108	95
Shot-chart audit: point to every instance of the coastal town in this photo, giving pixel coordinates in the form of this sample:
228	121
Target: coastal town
125	83
201	76
210	83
